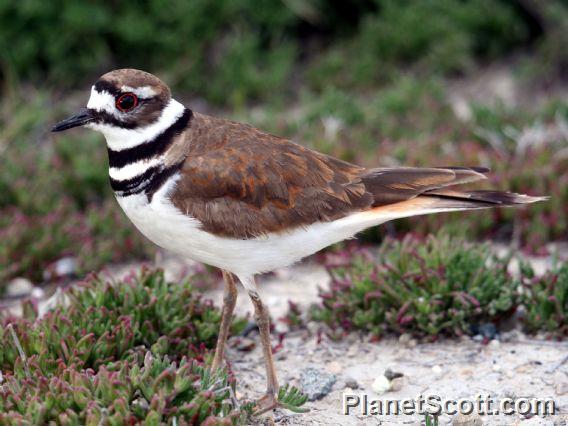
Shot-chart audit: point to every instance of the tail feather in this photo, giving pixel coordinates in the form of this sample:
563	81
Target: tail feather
391	186
447	198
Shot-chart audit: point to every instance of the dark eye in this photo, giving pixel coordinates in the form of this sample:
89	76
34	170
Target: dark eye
126	102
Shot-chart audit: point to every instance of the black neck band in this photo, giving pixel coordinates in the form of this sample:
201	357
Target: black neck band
148	182
153	147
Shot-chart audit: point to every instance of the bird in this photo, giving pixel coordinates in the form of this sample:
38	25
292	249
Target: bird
245	201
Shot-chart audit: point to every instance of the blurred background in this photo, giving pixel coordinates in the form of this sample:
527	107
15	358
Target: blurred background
378	82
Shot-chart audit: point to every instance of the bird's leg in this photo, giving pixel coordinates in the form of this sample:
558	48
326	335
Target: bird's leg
268	401
229	302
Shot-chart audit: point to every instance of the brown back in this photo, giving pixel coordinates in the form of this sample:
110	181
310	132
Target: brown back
241	182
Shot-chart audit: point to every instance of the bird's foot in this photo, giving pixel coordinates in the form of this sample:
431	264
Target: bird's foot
289	398
266	403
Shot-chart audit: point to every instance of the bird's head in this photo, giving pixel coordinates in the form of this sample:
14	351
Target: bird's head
127	106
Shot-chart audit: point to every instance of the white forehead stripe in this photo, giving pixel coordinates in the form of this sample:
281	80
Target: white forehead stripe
102	101
142	92
119	138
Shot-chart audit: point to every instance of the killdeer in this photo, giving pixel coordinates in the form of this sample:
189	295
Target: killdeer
235	197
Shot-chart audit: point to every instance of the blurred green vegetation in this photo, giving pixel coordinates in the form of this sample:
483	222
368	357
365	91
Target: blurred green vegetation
232	51
374	82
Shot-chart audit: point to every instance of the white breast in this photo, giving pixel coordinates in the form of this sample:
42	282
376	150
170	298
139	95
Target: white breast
165	225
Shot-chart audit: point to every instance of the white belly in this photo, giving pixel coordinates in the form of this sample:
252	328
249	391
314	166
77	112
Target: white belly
162	223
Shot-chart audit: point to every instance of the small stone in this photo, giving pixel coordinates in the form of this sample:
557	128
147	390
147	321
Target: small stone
65	267
407	341
467	420
316	383
397	384
524	369
488	330
244	344
494	344
38	293
142	403
477	338
381	385
437	370
350	382
496	367
511	336
19	287
389	374
334	367
508	393
561	389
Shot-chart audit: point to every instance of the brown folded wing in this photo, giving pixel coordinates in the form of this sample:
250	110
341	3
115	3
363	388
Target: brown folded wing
240	182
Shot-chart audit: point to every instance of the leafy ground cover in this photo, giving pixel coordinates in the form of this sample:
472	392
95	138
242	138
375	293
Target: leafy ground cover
124	353
438	287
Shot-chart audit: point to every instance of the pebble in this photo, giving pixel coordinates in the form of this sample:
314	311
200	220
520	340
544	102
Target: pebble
389	374
244	344
350	382
508	393
19	287
397	384
64	267
381	385
38	293
488	330
467	420
316	383
437	370
496	367
512	336
407	341
494	344
334	367
561	389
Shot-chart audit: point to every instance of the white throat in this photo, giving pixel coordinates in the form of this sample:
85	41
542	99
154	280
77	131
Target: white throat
119	138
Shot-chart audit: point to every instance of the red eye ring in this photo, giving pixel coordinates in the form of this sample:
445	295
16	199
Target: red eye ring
126	102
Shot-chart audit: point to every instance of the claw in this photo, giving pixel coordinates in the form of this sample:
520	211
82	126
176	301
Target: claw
266	403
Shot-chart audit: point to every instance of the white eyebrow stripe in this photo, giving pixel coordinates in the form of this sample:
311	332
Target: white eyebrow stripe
142	92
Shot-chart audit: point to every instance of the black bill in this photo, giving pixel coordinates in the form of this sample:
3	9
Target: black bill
83	117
